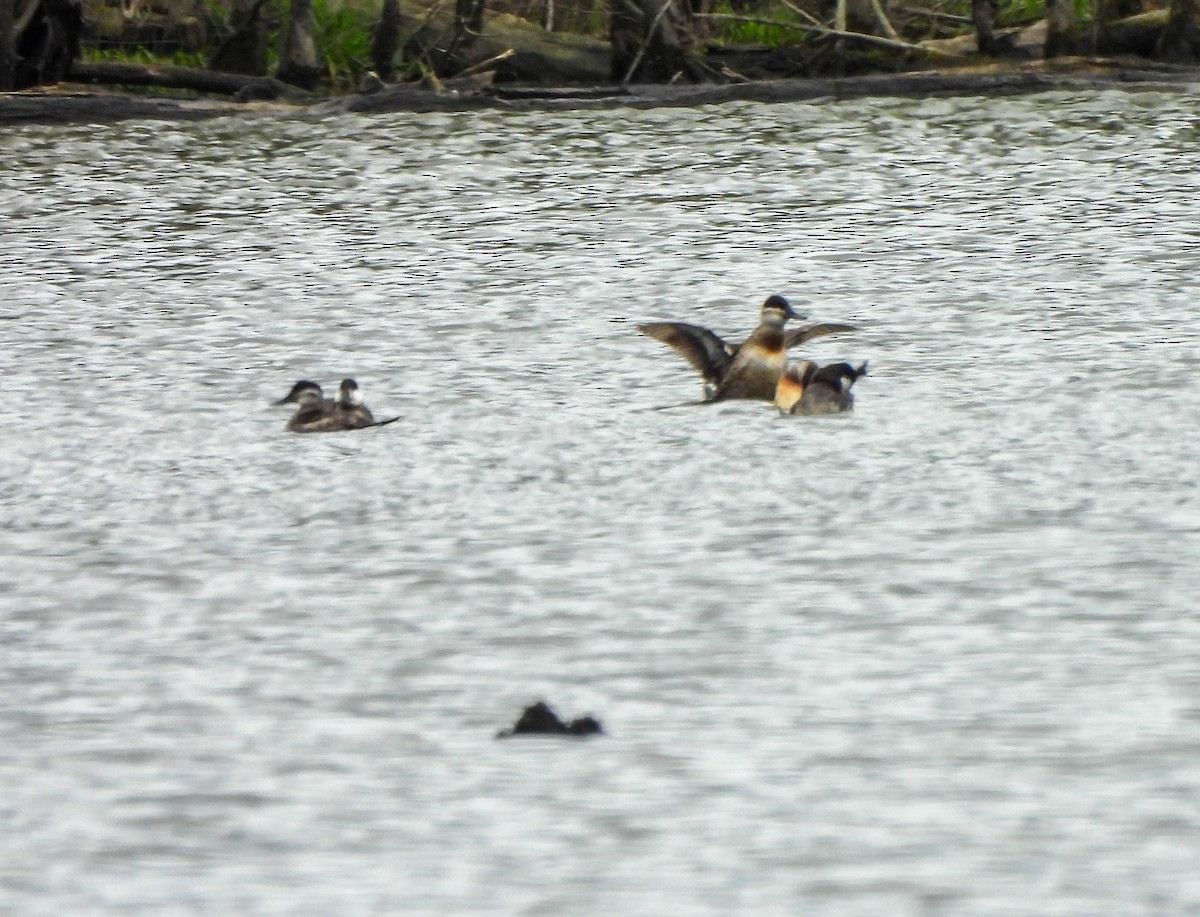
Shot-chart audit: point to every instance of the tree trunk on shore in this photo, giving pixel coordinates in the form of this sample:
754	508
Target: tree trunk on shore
299	63
8	47
841	24
983	15
386	43
41	40
245	49
652	41
1058	28
1180	40
468	23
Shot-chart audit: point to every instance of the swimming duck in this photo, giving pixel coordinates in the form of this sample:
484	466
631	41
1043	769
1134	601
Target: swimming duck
350	408
312	406
806	389
315	413
748	370
318	414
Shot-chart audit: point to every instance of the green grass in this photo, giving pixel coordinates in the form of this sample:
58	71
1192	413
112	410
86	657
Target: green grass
343	37
767	26
1024	11
140	55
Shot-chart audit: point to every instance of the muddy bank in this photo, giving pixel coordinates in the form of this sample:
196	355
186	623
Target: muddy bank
1031	77
69	106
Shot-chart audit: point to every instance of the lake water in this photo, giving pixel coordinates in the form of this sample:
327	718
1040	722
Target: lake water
941	656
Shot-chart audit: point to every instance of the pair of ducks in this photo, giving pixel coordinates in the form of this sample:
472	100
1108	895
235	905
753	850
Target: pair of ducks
758	368
317	414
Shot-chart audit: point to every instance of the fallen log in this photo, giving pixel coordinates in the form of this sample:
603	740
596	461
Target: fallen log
112	73
487	66
1064	73
1132	35
106	108
880	42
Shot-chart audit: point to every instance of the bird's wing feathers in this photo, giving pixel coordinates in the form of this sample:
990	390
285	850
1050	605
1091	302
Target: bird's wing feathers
706	352
808	332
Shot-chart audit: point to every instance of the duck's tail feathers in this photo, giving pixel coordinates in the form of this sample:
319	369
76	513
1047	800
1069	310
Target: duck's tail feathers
682	404
380	423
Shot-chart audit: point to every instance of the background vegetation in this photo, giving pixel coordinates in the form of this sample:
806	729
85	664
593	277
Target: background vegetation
184	32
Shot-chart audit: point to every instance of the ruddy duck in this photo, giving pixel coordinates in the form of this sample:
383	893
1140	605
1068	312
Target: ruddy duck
350	408
806	389
748	370
318	414
314	411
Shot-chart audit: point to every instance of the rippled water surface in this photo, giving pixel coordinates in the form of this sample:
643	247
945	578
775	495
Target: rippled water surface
941	656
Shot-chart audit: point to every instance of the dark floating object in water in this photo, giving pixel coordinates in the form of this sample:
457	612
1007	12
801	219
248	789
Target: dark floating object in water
540	719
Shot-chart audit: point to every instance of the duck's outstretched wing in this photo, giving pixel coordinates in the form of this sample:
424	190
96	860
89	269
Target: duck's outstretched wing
708	354
804	333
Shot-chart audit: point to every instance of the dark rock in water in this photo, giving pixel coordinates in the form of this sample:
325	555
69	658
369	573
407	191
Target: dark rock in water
540	719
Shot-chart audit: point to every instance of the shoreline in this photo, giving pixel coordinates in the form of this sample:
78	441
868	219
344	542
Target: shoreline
85	107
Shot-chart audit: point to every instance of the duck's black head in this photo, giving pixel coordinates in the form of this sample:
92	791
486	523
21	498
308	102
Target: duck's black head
841	375
780	305
302	391
349	394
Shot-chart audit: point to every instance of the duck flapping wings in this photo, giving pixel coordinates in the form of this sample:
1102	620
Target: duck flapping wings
711	356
